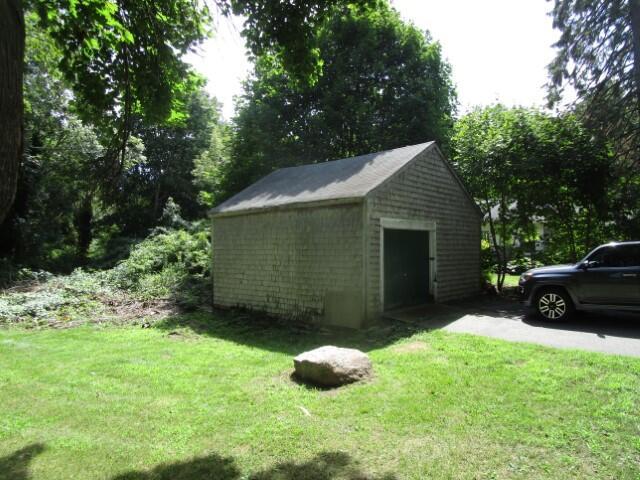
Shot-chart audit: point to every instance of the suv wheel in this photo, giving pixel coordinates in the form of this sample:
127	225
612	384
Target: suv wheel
554	304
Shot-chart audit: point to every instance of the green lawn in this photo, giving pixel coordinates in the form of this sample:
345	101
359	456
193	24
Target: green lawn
211	398
509	280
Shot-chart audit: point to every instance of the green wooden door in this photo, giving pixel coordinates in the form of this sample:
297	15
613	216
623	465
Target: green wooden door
406	268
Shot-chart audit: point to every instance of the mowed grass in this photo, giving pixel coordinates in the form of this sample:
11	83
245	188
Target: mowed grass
210	397
509	280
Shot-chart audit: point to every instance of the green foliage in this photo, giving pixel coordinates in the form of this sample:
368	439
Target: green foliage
60	166
174	264
287	30
166	170
210	166
42	299
384	85
487	260
116	67
62	205
171	264
524	165
522	263
108	247
599	56
126	57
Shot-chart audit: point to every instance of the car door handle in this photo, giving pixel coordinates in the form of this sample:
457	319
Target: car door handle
627	275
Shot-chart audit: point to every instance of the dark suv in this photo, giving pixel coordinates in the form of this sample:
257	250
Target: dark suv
606	279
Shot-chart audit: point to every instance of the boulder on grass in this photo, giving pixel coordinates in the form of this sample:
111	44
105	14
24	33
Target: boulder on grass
332	366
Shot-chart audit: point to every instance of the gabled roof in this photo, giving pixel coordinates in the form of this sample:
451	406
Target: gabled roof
349	178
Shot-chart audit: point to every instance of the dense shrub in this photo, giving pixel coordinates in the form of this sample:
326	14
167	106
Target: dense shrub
40	298
170	263
521	264
109	247
487	260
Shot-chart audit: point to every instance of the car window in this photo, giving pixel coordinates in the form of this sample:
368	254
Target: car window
617	256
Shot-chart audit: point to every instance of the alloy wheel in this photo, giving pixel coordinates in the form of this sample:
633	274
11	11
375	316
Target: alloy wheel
552	306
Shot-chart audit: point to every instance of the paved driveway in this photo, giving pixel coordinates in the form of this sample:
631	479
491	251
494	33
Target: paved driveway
617	333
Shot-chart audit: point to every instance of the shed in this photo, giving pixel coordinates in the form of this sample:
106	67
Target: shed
344	241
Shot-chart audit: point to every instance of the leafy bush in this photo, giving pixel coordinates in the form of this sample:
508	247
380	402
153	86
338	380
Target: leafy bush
42	298
487	260
168	264
58	257
520	265
173	263
109	247
28	275
7	272
11	274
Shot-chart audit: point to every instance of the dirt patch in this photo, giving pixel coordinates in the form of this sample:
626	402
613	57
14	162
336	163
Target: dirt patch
129	309
124	311
410	347
181	335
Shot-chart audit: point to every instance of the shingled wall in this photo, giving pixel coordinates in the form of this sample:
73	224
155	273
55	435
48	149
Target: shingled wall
299	263
427	190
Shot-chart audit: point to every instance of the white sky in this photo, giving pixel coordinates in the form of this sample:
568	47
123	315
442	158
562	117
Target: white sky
498	50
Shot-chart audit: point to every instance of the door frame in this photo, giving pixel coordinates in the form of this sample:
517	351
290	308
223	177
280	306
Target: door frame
405	224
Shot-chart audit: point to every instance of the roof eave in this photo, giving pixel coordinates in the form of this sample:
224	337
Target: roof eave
460	182
287	206
395	174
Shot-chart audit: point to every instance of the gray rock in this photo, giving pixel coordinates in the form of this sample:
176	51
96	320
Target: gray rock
332	366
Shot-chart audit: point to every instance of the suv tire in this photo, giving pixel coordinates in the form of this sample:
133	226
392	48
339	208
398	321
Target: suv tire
554	304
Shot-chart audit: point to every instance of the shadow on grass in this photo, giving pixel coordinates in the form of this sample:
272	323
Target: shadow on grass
283	336
209	467
16	465
290	337
324	466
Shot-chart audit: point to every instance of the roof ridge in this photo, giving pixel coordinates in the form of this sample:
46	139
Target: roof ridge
324	162
352	177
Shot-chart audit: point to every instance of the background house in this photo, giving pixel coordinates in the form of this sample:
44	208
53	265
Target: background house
533	243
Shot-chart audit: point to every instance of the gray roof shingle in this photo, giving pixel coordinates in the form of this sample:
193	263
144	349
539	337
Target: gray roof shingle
348	178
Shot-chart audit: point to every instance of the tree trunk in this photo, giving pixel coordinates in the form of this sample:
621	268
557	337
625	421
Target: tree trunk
572	237
156	201
83	220
635	30
503	226
494	241
11	108
588	233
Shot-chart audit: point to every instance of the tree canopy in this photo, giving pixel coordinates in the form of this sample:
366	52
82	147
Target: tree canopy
599	56
119	139
523	164
123	59
385	84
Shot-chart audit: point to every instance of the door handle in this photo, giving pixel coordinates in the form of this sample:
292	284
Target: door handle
627	275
